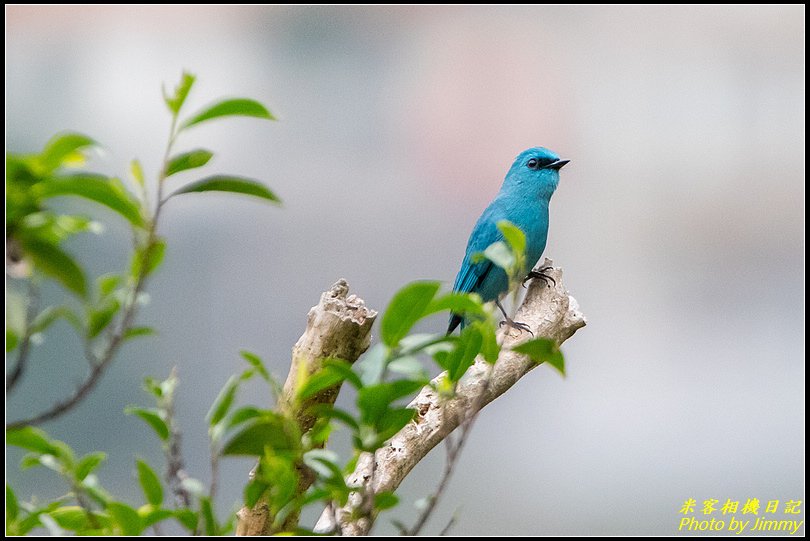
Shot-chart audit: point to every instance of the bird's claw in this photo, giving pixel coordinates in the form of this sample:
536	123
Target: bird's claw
512	324
540	274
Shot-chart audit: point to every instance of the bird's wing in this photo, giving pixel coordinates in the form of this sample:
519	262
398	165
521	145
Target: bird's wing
473	274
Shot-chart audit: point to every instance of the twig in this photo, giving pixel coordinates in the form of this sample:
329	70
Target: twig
175	467
25	345
128	315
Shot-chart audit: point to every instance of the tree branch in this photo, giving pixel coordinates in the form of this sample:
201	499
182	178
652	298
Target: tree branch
338	327
549	311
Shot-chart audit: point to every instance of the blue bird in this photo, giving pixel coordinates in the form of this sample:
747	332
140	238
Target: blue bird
523	200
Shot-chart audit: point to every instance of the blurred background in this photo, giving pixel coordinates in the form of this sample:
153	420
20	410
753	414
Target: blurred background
679	222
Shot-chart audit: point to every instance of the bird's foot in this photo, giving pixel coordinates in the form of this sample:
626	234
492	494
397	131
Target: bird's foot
512	324
540	274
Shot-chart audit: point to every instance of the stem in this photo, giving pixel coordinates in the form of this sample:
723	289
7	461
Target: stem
25	344
100	364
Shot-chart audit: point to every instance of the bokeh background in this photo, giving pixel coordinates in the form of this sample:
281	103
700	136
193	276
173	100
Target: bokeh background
679	222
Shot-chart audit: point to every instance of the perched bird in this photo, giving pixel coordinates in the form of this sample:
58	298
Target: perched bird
523	200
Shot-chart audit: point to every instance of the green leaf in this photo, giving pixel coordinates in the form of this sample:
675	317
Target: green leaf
127	518
51	260
135	332
155	255
253	491
543	350
187	518
372	364
12	507
462	357
175	101
11	340
332	374
100	318
408	366
153	418
392	422
150	483
406	308
374	400
223	401
490	349
71	517
459	303
243	414
269	430
327	411
33	439
150	515
207	512
98	188
385	500
230	107
500	254
188	160
514	236
89	463
49	315
232	184
60	148
256	362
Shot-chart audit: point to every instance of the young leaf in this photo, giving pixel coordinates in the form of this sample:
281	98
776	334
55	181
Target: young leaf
135	332
153	418
230	107
61	147
406	308
256	362
253	491
176	101
88	464
229	183
72	517
188	160
33	439
514	236
321	380
543	350
150	483
151	516
51	260
127	518
96	188
136	171
106	283
223	401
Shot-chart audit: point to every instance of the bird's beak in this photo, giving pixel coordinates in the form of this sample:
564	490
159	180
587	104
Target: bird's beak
559	164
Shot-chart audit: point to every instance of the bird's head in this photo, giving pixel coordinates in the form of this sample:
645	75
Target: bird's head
536	170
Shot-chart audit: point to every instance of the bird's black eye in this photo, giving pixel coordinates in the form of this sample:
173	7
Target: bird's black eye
532	164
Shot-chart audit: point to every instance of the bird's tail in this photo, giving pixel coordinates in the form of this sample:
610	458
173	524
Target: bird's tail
455	321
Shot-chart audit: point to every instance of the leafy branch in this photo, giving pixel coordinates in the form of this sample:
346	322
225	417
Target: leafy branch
36	232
